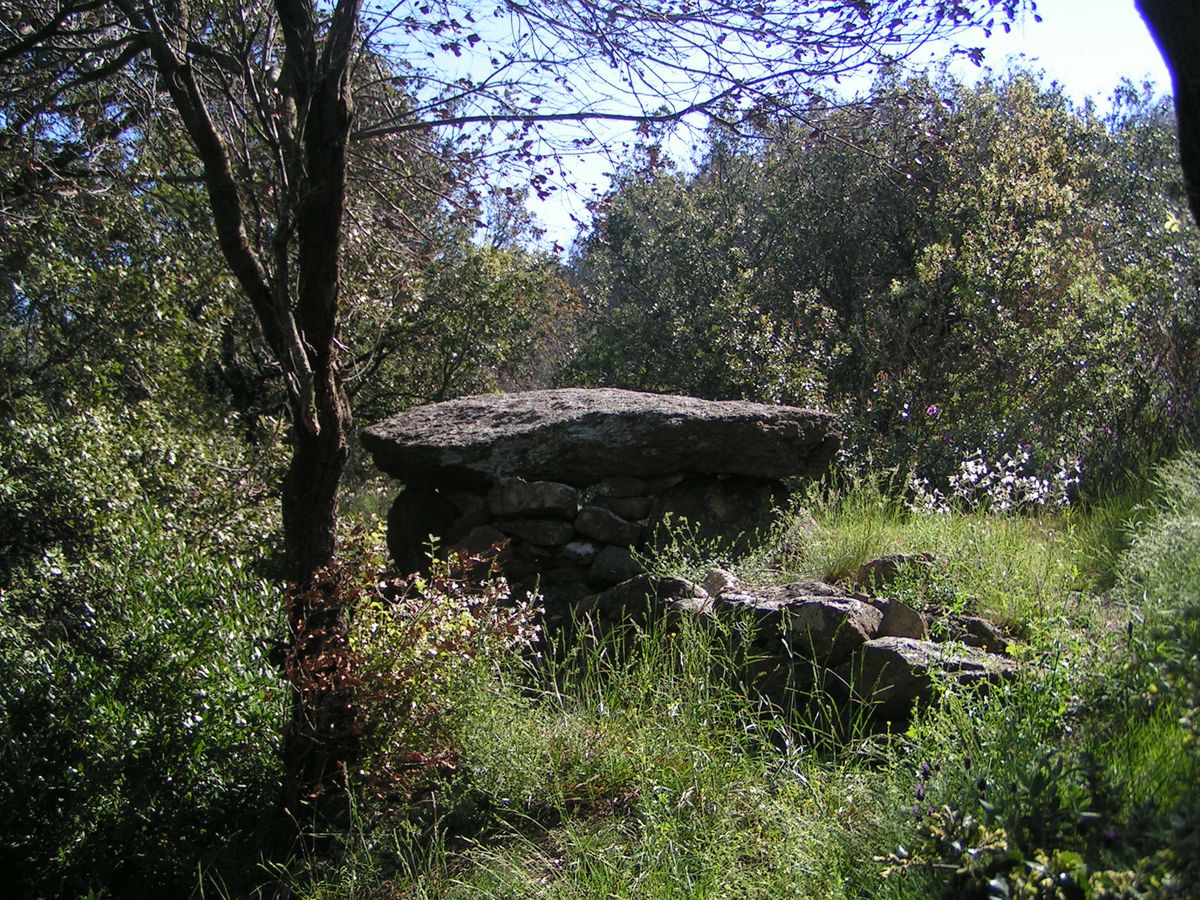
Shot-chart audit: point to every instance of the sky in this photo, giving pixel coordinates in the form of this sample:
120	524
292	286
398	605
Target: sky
1087	46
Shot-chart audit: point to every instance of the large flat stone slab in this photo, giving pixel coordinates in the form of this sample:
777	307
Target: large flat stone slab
579	436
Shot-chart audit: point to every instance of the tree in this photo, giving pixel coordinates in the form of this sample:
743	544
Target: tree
984	269
1175	27
275	97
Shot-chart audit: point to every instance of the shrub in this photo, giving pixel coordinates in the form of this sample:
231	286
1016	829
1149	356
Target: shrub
139	716
419	646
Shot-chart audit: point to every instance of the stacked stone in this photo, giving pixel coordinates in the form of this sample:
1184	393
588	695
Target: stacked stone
567	482
567	539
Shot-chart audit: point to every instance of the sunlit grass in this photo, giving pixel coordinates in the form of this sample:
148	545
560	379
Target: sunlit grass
634	763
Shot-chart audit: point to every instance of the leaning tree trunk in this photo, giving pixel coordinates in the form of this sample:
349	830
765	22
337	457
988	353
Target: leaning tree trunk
1175	27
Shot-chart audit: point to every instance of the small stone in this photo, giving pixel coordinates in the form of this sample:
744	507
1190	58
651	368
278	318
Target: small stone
642	594
621	486
577	553
978	632
558	598
607	527
663	482
547	532
485	544
532	552
518	570
892	673
814	589
466	501
568	575
717	581
828	629
626	507
900	620
514	498
613	565
877	573
825	630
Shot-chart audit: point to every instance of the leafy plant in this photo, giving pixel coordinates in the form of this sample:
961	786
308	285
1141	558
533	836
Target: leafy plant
418	645
139	717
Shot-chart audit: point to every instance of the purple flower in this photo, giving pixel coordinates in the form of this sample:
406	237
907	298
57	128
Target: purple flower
932	411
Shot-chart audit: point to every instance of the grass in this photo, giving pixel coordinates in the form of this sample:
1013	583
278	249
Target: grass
631	766
1024	572
632	763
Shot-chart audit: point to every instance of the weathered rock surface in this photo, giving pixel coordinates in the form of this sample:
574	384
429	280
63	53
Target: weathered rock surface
607	527
620	486
718	580
544	532
636	597
613	565
876	574
977	632
631	508
900	620
579	436
892	673
577	553
825	629
514	498
731	508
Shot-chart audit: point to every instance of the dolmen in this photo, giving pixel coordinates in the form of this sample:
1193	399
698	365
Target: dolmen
571	483
562	489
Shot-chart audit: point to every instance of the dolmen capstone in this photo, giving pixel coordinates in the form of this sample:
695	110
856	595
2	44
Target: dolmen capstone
569	483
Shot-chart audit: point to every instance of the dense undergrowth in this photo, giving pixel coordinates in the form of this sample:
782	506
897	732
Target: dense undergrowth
141	714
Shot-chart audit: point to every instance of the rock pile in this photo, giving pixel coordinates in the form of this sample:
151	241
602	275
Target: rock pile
863	647
564	484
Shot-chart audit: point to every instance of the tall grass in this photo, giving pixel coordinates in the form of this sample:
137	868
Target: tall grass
1017	569
632	762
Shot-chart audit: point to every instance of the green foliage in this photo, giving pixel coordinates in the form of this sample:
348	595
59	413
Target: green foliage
470	320
966	273
70	481
139	717
678	549
677	298
419	646
1017	569
1080	781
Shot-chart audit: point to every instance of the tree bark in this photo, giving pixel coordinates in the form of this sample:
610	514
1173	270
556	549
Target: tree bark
321	742
1175	27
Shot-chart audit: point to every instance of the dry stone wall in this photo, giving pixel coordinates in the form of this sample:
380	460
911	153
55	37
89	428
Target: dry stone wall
573	541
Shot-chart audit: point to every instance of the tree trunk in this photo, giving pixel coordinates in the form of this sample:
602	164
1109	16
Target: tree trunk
1175	27
321	742
322	737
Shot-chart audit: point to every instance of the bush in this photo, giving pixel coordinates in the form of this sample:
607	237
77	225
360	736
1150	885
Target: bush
1085	771
139	717
420	646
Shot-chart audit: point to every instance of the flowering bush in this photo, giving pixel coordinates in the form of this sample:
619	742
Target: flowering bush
1003	485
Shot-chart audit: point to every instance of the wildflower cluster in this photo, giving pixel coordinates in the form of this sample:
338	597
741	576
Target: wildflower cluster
1002	485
